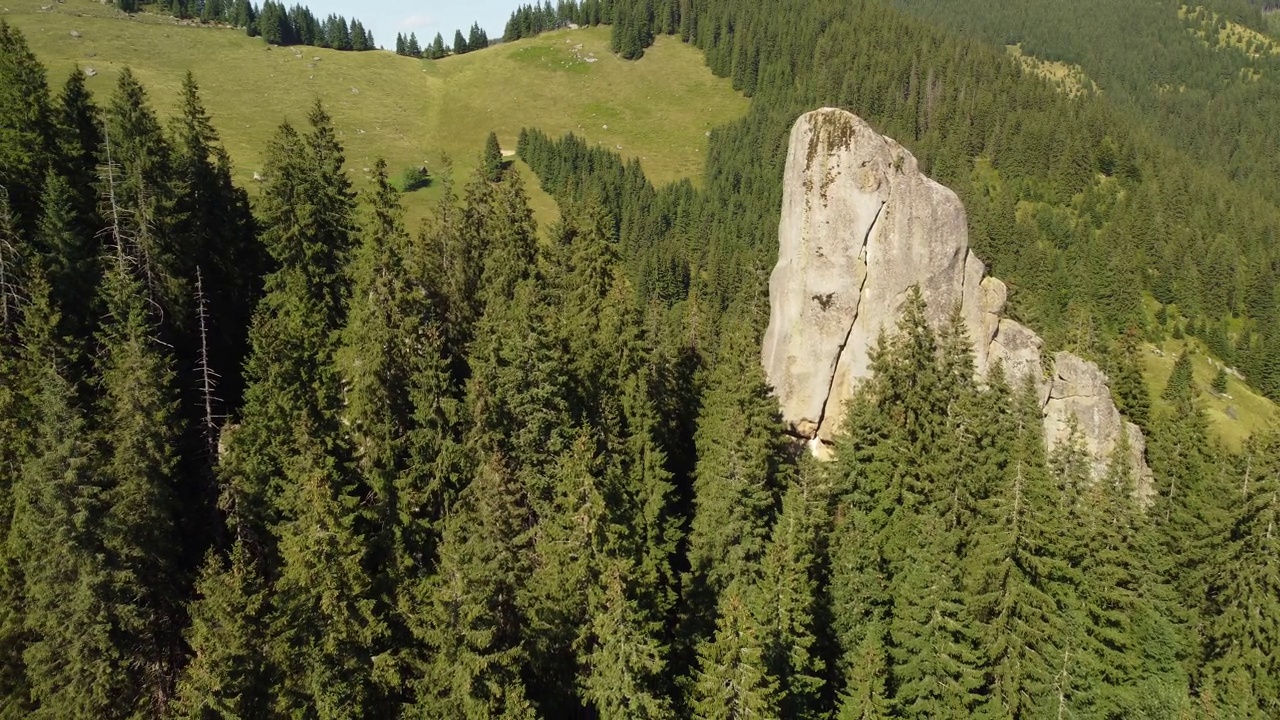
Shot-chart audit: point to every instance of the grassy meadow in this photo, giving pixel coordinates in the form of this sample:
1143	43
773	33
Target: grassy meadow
1251	411
405	110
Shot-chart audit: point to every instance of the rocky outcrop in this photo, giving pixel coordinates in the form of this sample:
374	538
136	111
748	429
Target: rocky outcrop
861	225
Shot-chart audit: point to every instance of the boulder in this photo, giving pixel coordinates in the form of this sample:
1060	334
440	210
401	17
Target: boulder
861	226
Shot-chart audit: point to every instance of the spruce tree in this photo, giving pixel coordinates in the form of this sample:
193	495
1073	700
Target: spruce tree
1246	589
504	230
866	691
70	261
574	544
140	194
451	262
1179	388
476	38
399	405
732	678
788	598
1220	381
491	160
1110	594
308	228
73	666
219	235
1129	386
79	140
469	617
1188	514
885	469
742	465
24	125
1014	566
324	629
16	419
934	662
623	671
459	43
140	425
228	675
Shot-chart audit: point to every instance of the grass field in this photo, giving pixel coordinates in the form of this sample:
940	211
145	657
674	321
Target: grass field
1251	411
1070	80
405	110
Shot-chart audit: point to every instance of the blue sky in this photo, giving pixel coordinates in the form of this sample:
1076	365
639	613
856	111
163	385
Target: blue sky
424	17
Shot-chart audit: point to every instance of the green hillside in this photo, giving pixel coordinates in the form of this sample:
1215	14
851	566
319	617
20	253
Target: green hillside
658	109
1234	415
288	459
405	110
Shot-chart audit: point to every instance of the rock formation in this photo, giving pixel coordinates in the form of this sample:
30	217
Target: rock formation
860	226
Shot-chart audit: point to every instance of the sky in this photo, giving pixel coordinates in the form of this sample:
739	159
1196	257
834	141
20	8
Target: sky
424	17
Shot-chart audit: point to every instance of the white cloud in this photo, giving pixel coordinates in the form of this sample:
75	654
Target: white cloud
415	22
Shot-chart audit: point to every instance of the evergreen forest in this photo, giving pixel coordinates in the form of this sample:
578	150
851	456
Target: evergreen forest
285	457
273	22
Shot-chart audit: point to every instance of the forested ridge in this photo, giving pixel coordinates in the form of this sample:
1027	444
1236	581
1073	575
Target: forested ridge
272	21
1080	205
302	461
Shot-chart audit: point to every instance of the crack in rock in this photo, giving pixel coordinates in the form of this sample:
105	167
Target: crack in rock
835	368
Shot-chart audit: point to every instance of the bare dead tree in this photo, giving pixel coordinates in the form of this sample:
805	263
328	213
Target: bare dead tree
208	378
10	259
131	251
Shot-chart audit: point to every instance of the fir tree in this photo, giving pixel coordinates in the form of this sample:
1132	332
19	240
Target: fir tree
470	619
24	125
741	468
1246	589
491	161
624	666
788	599
228	675
1179	388
138	415
73	667
733	681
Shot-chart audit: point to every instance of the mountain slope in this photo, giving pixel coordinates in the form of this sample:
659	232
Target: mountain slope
404	110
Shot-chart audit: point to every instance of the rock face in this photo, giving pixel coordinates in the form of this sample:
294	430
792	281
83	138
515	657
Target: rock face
860	226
